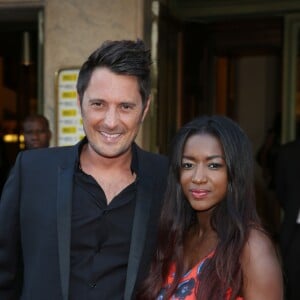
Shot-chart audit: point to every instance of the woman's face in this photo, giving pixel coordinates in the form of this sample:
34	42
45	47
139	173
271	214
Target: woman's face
203	174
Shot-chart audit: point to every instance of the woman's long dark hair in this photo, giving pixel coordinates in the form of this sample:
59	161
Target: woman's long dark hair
232	219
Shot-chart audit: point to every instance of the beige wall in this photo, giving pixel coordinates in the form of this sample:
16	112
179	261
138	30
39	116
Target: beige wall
20	3
74	28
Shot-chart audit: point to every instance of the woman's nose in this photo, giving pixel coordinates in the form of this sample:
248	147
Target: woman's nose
199	175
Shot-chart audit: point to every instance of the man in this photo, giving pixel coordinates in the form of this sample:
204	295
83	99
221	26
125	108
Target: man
80	222
288	192
37	133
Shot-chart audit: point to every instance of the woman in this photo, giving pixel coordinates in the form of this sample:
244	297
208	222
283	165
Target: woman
211	245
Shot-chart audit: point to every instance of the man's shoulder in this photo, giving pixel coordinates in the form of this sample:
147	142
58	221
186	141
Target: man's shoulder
154	157
153	164
50	150
48	155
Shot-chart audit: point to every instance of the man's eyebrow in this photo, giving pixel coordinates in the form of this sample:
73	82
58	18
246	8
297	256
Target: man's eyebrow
95	99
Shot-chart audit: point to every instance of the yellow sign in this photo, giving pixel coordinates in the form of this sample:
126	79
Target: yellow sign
69	122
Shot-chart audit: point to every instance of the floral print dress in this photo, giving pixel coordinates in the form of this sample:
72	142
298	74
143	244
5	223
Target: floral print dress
187	286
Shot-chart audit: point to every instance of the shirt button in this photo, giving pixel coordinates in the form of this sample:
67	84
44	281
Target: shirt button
92	284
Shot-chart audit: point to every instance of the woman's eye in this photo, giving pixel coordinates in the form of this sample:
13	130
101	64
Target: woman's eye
186	165
214	166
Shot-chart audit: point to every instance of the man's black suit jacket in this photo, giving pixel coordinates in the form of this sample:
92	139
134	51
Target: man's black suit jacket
288	189
35	223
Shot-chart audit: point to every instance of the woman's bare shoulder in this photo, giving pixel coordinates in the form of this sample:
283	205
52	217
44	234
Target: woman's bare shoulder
261	268
259	242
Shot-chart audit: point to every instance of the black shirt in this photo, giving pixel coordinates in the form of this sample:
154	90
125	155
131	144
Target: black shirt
100	238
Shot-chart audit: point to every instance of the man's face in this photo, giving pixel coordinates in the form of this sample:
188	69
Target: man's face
112	112
36	134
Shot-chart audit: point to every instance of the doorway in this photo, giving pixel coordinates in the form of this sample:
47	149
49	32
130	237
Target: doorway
19	75
230	67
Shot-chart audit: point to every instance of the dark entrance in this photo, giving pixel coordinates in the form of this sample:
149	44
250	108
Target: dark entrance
18	77
231	67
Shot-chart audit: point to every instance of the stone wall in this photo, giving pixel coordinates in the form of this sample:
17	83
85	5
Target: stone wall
74	28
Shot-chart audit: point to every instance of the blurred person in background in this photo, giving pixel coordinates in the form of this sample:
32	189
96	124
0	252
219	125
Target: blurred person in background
36	131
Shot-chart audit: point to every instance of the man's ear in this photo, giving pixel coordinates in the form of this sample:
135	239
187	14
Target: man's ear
146	108
78	103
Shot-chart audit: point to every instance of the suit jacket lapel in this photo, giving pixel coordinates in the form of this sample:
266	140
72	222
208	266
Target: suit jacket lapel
64	207
140	223
143	203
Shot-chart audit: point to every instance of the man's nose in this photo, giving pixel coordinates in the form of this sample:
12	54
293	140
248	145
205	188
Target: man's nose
111	117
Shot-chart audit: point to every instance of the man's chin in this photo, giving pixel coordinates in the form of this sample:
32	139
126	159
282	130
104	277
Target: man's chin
111	153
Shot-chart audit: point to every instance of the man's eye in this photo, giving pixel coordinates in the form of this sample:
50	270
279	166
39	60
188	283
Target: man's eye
97	104
126	106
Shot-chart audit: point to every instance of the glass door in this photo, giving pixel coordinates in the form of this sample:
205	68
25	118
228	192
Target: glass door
291	77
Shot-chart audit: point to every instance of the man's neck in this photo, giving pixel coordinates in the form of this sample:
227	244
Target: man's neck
89	159
112	174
